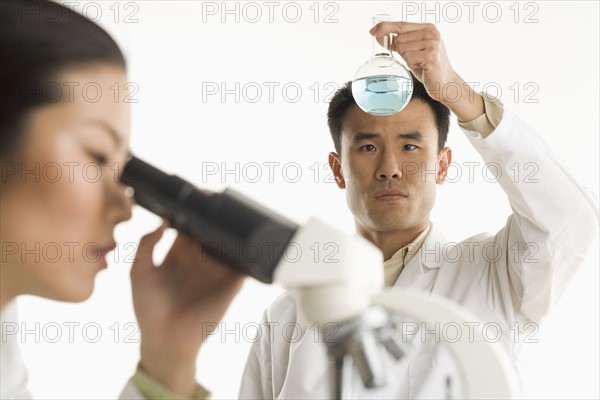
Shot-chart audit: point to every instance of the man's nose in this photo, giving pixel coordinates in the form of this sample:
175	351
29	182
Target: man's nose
389	166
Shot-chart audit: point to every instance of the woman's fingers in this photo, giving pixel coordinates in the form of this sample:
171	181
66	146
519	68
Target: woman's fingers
143	258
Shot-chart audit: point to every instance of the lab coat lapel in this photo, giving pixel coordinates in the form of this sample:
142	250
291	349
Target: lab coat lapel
420	272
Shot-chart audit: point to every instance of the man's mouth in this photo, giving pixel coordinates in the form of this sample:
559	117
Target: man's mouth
390	195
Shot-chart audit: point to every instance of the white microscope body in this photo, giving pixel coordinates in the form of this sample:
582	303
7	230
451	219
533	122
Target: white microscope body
345	288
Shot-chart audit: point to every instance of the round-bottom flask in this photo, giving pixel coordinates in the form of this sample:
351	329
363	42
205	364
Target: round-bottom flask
382	86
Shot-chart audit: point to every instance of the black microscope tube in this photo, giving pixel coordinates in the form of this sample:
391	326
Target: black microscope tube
228	225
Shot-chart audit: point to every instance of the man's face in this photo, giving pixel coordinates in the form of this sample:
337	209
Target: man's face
389	167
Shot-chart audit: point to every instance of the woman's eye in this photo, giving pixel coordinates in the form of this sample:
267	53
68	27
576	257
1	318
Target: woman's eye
368	147
409	147
101	159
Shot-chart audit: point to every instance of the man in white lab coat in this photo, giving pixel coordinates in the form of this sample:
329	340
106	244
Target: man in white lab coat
389	167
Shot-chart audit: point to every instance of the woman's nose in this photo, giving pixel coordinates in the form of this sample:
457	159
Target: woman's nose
121	202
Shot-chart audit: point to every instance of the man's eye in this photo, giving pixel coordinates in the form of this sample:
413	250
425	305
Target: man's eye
368	147
409	147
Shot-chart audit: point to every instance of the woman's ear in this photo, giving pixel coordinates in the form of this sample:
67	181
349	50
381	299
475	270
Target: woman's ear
336	167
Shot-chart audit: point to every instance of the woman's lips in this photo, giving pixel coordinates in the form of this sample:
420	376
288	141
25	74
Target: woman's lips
103	251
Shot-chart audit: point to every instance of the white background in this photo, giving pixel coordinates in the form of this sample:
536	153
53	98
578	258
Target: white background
174	47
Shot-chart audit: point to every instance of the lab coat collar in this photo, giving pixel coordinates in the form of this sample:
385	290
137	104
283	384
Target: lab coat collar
428	257
430	253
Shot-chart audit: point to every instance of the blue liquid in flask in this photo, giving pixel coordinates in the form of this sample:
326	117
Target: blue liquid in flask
382	95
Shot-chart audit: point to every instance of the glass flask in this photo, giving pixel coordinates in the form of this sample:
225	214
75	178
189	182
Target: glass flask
382	86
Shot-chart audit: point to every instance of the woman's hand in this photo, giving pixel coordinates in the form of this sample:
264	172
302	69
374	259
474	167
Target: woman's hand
176	304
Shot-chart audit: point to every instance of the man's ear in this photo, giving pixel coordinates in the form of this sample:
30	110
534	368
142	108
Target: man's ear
335	164
444	161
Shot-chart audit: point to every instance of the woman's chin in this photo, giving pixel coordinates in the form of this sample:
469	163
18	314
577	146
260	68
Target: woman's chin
74	295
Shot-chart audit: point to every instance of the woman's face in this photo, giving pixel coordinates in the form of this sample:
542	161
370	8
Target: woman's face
62	199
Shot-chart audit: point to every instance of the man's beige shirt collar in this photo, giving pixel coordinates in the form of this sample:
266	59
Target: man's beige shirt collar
394	266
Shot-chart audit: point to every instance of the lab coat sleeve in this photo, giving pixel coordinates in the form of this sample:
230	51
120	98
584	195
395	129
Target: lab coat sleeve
13	381
256	378
554	222
131	392
13	372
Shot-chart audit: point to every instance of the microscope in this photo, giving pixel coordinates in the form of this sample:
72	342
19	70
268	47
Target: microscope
347	290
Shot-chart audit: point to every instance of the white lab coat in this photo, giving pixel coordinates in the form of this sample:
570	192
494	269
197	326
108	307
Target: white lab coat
13	373
556	216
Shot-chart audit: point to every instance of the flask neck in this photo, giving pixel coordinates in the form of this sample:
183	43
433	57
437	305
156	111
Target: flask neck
383	49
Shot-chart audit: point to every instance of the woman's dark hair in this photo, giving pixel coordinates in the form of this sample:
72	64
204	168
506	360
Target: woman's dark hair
343	100
39	38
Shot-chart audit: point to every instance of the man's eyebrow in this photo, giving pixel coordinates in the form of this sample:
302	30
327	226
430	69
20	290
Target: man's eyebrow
416	135
107	128
364	136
